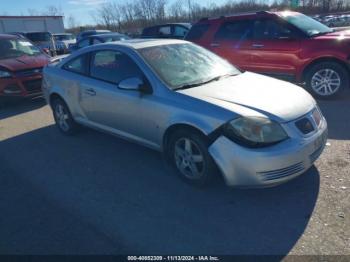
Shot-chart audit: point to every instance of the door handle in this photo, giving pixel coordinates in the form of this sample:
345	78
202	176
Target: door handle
90	92
214	45
257	45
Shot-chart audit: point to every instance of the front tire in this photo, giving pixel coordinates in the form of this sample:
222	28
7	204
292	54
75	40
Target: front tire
188	153
327	80
63	117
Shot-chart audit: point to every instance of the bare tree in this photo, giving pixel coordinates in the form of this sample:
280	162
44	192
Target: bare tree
71	21
53	10
134	15
50	10
177	10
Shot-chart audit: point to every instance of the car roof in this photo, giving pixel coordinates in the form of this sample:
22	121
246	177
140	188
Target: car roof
106	35
8	36
38	32
92	31
182	24
143	43
63	34
248	15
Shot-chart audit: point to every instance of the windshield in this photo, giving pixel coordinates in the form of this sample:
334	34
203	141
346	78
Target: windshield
64	37
306	24
38	37
11	48
179	65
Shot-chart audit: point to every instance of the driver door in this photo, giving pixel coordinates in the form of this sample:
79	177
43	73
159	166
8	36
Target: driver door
111	108
275	48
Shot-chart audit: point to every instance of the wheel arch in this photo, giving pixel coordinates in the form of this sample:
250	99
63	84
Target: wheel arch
180	126
54	96
324	60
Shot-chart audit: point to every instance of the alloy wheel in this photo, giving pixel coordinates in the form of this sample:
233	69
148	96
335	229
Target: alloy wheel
62	117
188	158
325	82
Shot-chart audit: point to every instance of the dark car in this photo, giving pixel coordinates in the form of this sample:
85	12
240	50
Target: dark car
21	65
98	39
175	30
87	33
286	45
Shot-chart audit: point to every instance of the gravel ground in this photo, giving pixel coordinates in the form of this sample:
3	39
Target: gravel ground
97	194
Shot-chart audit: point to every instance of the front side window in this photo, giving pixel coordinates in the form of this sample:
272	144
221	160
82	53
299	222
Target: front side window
235	30
270	29
165	30
113	66
78	65
84	43
185	64
11	48
96	41
180	31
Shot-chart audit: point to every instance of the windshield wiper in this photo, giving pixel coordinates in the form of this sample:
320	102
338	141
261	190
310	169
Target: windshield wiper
321	33
186	86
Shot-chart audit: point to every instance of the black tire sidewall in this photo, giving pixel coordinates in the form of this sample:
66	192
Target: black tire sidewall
328	65
200	141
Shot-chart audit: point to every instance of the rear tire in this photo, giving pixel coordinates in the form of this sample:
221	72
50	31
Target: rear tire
188	154
63	117
327	80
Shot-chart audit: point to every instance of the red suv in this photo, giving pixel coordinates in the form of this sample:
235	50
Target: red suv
21	66
286	45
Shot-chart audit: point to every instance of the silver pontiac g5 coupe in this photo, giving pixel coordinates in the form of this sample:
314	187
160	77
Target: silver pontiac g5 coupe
205	115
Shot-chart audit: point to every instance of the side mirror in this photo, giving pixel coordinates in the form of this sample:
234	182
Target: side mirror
135	84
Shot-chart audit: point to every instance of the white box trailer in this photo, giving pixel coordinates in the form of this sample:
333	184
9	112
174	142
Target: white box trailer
53	24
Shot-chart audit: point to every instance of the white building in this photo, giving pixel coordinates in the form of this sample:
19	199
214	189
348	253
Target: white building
53	24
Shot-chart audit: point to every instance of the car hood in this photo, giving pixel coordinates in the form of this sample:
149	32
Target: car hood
250	94
24	62
337	34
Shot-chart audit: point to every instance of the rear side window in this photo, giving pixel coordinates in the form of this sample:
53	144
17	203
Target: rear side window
197	31
113	66
235	30
150	31
165	30
78	65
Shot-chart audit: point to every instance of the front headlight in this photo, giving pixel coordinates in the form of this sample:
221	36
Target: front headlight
255	131
4	74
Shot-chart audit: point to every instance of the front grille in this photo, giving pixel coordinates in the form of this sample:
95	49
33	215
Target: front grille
29	72
60	46
283	172
33	86
305	126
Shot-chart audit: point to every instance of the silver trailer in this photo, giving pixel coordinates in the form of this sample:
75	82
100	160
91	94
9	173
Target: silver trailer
52	24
